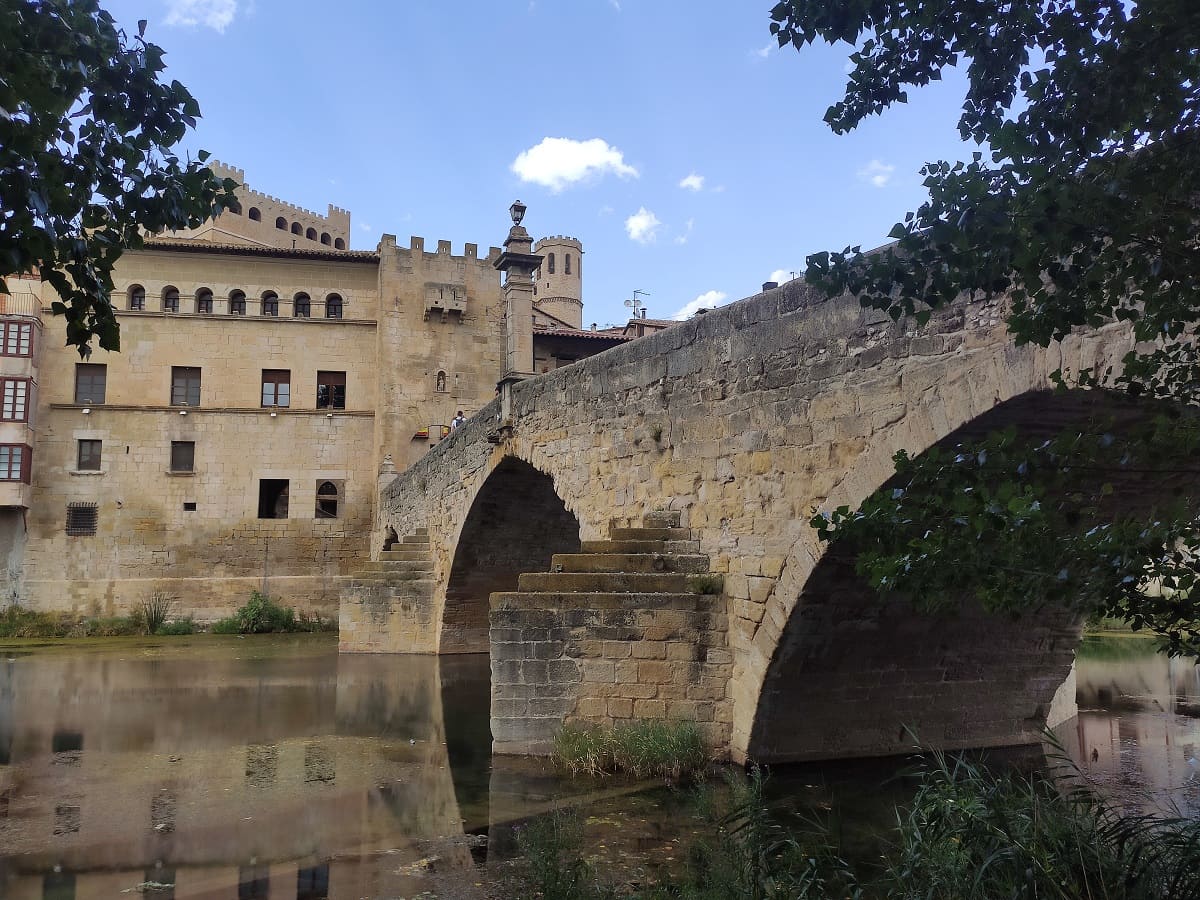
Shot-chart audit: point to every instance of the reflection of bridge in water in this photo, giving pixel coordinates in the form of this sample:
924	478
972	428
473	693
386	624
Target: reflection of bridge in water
235	777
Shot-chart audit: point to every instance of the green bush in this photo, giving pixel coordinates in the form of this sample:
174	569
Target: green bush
155	610
664	748
18	622
178	627
262	615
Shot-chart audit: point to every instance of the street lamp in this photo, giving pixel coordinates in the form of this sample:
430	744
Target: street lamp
517	211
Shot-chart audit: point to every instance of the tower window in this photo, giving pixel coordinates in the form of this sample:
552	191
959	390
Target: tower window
270	304
550	264
302	306
137	296
281	223
237	303
170	299
333	306
566	263
255	214
204	300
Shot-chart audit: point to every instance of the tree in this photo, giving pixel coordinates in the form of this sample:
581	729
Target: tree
1080	206
86	169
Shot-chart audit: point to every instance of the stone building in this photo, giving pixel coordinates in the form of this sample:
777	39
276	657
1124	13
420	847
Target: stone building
266	375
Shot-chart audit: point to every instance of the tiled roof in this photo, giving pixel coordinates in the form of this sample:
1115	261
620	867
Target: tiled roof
251	250
580	333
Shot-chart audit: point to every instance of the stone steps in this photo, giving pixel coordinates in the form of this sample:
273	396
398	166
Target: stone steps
603	583
681	547
650	534
406	555
398	565
629	562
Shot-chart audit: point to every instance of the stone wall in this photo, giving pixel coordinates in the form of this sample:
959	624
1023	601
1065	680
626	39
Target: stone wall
745	420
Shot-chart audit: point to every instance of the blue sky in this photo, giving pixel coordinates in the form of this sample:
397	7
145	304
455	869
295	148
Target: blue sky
673	138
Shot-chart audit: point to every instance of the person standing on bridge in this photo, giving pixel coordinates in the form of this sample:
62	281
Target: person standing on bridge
458	419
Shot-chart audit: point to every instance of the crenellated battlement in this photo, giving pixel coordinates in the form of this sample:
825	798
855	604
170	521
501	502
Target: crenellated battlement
559	239
416	244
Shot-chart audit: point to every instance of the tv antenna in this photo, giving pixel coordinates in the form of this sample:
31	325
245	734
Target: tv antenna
633	302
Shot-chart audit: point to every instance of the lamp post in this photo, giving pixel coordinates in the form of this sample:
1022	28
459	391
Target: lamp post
517	262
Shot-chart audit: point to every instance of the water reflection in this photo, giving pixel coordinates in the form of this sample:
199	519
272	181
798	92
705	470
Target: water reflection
222	768
1138	731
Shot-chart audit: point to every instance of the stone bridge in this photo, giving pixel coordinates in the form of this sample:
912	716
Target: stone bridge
723	435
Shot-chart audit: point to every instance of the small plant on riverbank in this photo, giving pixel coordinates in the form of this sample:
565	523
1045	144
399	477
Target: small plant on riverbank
262	615
155	610
552	863
177	628
663	748
19	622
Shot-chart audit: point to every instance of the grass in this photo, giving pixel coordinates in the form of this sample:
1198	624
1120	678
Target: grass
706	583
262	615
155	610
669	749
967	833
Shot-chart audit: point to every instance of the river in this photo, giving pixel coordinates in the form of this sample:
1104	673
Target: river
223	767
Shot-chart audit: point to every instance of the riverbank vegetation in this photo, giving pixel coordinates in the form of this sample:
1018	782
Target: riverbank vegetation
262	615
968	832
666	748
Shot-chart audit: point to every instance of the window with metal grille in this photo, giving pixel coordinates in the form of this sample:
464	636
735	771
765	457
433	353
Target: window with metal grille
327	500
185	386
18	339
237	303
270	304
14	462
331	390
276	387
88	459
137	296
183	456
82	518
90	382
333	306
302	306
204	301
14	399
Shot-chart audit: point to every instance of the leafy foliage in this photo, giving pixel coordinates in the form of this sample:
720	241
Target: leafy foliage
262	615
86	131
659	748
1080	209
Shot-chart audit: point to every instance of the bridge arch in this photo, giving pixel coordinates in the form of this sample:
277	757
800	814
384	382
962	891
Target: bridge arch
516	522
850	673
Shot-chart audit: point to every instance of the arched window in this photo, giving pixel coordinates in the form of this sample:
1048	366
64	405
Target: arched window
333	306
301	305
235	208
237	303
204	301
326	239
297	228
327	500
281	223
566	263
255	214
270	303
439	383
137	296
339	244
550	264
311	234
170	299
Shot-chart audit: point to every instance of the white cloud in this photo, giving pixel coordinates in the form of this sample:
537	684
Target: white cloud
693	182
707	300
606	210
558	163
215	14
764	52
642	226
683	238
364	226
781	276
876	173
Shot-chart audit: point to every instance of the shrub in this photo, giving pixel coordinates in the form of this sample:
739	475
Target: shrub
178	627
262	615
706	583
155	610
18	622
662	748
226	626
551	861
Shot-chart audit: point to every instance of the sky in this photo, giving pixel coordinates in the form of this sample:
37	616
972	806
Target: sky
672	137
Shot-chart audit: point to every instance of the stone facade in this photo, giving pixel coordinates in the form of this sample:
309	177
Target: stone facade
745	421
365	355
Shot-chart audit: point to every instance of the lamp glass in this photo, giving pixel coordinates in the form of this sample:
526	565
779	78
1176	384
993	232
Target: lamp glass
517	211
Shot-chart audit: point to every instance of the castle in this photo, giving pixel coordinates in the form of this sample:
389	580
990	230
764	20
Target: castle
266	375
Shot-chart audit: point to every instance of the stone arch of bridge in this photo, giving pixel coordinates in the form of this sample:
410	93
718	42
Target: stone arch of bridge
515	523
850	673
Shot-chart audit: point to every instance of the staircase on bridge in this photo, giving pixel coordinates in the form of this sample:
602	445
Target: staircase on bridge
632	627
400	581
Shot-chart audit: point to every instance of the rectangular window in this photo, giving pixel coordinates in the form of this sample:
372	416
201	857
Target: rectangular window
273	498
276	387
14	399
91	381
185	386
88	459
183	456
82	518
331	390
18	339
14	462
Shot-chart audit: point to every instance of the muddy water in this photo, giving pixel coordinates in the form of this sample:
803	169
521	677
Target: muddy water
271	767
